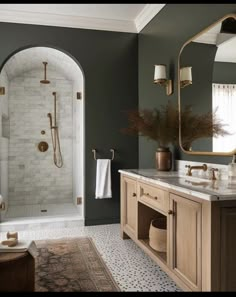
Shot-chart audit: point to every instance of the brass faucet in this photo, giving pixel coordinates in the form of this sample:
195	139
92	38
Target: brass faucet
190	168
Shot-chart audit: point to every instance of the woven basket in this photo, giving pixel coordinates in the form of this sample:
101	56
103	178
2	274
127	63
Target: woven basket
158	234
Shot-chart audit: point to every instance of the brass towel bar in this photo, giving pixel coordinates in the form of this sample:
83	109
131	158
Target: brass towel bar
111	150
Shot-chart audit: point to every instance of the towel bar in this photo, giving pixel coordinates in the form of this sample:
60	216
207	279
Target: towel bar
111	150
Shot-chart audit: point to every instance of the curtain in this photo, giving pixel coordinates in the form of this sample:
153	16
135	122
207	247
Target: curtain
224	102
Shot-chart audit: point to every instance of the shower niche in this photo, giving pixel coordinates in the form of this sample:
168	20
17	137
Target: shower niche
42	84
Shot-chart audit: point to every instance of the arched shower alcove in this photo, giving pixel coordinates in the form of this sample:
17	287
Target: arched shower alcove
31	185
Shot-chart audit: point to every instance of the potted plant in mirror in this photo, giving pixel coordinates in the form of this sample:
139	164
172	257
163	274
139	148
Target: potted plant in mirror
160	125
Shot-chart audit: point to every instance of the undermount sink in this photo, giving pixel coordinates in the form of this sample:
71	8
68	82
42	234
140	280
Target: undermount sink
195	179
195	182
187	178
187	181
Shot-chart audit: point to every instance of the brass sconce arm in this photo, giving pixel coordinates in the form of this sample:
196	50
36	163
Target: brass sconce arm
167	83
160	78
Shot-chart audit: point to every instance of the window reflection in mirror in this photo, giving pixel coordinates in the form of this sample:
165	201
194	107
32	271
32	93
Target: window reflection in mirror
212	56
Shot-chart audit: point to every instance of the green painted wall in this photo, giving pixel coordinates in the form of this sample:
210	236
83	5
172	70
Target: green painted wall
109	61
160	43
224	73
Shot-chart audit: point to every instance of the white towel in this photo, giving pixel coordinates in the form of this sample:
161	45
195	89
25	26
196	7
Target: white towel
103	179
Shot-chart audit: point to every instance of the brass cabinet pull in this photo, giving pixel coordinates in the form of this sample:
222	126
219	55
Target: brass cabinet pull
147	194
134	194
170	212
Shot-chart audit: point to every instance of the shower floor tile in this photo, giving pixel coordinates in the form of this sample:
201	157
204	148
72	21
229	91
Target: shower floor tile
19	211
26	211
58	209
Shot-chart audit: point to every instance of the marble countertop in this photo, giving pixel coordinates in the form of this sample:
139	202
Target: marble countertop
202	188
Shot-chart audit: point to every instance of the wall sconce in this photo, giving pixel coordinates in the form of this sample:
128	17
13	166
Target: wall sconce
185	76
160	78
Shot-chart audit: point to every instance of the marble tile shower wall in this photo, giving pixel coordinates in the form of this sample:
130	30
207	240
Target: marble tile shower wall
33	177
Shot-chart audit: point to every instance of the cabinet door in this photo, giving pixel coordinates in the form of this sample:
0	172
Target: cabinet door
129	206
185	240
228	248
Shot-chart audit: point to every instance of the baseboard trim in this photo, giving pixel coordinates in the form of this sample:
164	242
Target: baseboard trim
103	221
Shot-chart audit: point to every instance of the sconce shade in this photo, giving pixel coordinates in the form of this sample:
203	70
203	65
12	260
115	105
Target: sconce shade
160	78
159	73
185	76
186	73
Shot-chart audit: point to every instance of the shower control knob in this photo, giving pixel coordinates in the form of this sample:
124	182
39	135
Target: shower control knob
43	146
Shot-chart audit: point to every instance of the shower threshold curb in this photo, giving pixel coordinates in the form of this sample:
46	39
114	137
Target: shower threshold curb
38	223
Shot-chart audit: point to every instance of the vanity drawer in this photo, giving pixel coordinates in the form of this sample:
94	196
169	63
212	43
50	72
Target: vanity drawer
153	196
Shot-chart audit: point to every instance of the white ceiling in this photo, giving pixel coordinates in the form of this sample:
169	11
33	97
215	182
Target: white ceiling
111	17
105	11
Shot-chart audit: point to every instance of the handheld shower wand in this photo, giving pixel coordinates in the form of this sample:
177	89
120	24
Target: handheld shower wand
57	156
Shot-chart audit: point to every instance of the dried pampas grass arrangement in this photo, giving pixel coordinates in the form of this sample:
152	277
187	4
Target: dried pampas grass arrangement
162	125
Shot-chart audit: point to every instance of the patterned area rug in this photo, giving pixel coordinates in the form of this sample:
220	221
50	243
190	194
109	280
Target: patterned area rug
71	265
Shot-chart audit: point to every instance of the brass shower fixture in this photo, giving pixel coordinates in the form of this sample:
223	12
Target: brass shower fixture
57	155
45	81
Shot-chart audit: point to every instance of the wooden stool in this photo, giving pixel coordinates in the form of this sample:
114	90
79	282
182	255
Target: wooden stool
17	272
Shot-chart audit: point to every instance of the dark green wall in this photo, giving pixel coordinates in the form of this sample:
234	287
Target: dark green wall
109	61
160	43
224	73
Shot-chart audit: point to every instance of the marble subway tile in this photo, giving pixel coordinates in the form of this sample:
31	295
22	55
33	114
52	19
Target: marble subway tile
30	171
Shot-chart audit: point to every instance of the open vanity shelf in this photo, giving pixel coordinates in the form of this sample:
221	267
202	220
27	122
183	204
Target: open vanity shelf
201	242
148	214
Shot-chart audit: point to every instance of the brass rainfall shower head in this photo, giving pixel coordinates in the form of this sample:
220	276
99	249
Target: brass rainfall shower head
45	81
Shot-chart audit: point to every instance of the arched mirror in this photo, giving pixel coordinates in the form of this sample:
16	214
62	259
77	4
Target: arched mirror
207	90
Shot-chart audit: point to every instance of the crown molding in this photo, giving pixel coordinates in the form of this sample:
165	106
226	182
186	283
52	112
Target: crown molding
48	19
145	16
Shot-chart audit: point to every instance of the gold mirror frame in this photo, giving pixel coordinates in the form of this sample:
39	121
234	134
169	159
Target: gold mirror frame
232	15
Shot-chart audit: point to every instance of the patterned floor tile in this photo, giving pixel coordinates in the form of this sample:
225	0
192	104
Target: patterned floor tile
133	270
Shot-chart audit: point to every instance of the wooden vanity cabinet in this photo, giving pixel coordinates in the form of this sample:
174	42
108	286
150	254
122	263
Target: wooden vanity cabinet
201	241
228	249
128	207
